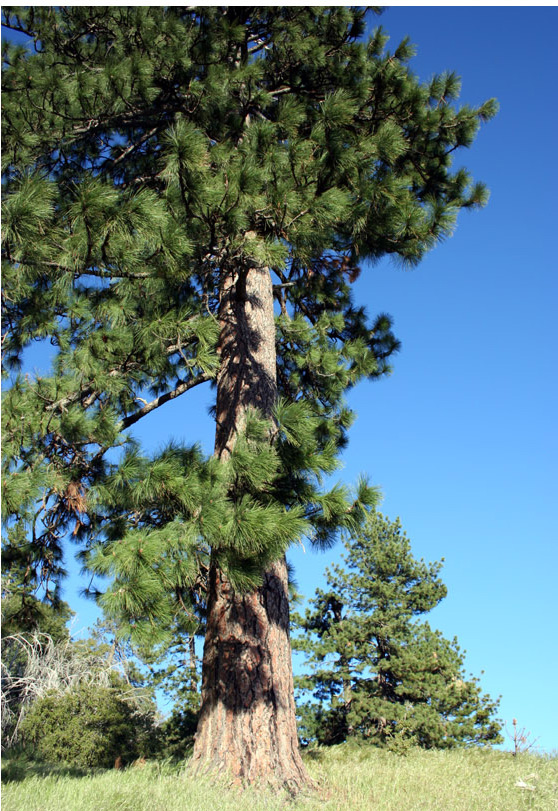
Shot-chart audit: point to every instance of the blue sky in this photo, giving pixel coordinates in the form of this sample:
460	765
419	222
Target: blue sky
462	438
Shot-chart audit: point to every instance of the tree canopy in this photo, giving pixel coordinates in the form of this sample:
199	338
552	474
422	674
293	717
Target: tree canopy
145	151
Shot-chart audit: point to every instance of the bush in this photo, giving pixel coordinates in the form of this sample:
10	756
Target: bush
177	734
88	726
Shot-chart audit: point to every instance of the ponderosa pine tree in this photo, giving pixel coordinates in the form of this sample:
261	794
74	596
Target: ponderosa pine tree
377	672
188	195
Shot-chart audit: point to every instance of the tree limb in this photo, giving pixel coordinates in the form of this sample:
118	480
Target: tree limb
162	399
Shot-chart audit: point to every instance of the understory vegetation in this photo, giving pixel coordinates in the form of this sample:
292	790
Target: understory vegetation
348	777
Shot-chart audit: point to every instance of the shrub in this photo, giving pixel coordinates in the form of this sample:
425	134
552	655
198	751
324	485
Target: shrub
88	726
177	733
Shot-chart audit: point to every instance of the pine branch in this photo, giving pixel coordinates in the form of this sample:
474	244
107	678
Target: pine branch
164	398
135	146
19	28
100	274
60	405
91	393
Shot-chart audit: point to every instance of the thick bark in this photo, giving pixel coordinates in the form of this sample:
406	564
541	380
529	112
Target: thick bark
247	725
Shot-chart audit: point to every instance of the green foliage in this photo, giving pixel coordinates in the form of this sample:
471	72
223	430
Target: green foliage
176	735
377	672
24	620
40	661
248	510
89	726
22	613
150	153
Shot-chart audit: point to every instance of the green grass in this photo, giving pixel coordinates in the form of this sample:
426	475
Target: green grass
348	780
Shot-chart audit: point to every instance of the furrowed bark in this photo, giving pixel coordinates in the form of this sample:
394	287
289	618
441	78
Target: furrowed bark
247	725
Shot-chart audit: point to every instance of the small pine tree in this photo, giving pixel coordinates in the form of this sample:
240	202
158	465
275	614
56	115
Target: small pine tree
378	672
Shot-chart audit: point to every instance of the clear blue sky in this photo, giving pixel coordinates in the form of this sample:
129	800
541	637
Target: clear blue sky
462	438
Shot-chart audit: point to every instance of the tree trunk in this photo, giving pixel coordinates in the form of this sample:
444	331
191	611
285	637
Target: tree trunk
247	725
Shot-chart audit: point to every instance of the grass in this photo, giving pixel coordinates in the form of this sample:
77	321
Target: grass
349	779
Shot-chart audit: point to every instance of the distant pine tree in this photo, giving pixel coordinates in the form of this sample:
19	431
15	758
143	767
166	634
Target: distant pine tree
376	671
189	192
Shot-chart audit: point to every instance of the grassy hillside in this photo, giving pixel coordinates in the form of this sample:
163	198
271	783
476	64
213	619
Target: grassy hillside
348	780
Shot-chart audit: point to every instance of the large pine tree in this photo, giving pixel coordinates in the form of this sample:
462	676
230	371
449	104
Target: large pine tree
188	195
378	672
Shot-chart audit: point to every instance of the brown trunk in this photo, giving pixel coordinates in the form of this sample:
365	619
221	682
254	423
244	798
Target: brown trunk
247	725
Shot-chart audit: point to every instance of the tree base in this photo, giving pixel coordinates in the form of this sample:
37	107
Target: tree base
247	727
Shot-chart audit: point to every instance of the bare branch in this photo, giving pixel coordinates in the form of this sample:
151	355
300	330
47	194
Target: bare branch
101	274
164	398
134	146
